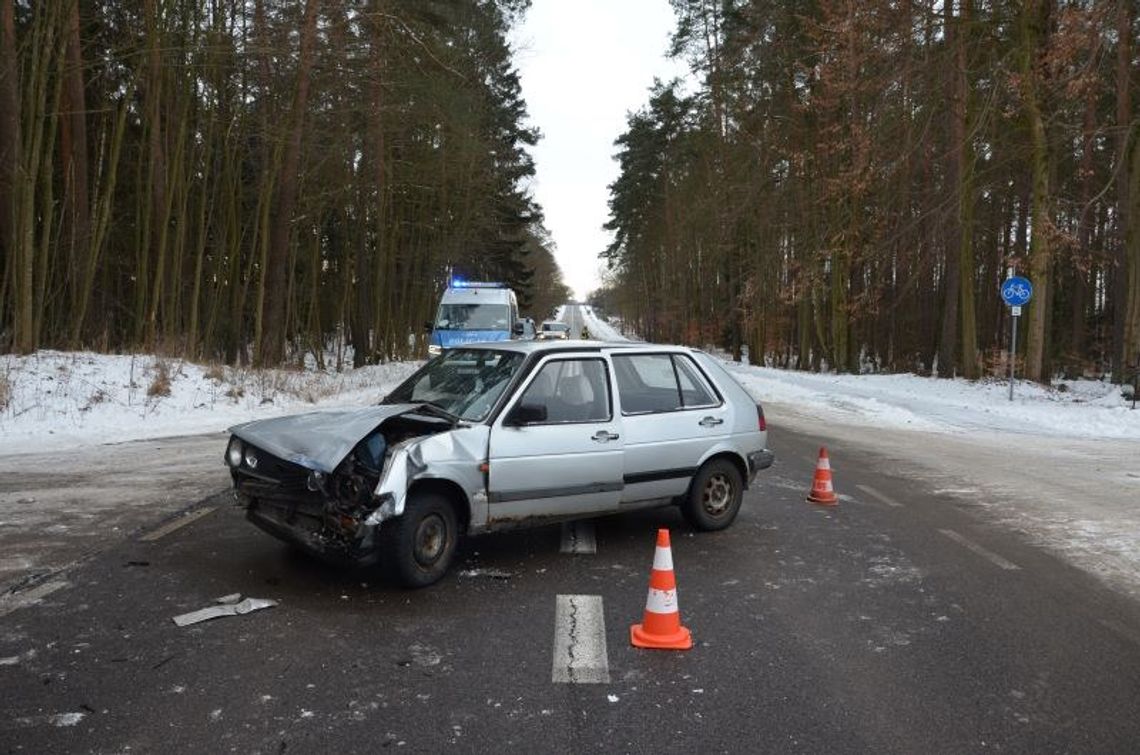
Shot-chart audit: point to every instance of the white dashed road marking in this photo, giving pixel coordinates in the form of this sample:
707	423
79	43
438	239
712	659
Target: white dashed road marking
881	496
578	537
177	524
988	555
580	641
31	596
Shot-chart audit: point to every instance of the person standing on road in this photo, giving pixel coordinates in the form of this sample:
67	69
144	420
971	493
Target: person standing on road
585	333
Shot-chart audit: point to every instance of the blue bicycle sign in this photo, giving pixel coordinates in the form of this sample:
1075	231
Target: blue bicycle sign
1016	291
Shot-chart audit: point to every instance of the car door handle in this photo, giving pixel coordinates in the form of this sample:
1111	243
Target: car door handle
604	436
711	422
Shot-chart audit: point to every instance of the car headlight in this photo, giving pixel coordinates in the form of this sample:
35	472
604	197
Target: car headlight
435	349
234	452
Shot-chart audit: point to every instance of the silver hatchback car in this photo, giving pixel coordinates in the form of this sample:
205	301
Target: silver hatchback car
490	437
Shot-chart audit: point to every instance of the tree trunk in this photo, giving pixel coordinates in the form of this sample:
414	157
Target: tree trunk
948	341
1034	23
965	157
73	146
1125	215
9	157
1131	357
272	345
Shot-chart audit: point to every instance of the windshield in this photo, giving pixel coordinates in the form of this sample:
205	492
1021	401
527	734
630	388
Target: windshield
555	326
464	382
473	317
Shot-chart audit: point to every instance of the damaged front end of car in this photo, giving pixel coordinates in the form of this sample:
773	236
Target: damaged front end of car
325	481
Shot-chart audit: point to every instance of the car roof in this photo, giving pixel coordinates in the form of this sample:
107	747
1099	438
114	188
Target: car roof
552	347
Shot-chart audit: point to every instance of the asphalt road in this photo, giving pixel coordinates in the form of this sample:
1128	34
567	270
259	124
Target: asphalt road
894	622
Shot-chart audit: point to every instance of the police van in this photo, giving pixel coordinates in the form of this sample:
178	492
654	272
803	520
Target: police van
474	312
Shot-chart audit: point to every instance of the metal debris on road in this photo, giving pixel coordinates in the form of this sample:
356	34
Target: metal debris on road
228	600
490	573
249	605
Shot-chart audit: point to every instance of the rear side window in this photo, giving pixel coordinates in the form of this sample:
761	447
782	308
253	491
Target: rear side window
651	383
694	390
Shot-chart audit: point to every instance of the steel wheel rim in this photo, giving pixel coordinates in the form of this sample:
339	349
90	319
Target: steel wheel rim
717	495
431	539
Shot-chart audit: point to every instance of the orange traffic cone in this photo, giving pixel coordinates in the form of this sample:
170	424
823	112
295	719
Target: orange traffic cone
821	490
661	626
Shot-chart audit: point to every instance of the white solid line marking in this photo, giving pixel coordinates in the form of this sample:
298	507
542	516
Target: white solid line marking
881	496
17	600
988	555
578	537
178	523
580	641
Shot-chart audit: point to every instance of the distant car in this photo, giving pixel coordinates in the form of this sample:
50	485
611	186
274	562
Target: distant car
454	450
552	330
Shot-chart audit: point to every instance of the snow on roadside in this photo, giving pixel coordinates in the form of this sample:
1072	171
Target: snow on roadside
59	400
599	329
1082	409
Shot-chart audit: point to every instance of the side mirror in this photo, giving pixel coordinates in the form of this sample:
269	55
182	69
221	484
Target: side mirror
526	414
428	327
519	328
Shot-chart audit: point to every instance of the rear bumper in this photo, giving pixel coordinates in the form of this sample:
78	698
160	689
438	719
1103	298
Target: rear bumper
758	460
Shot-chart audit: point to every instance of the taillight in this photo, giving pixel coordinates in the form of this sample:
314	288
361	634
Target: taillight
760	418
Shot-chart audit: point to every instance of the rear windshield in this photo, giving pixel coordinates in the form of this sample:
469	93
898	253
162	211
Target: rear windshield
548	326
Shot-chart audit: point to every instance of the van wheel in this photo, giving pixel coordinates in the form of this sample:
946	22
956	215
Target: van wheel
714	496
418	547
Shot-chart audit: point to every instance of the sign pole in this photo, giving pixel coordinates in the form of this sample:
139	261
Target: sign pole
1013	350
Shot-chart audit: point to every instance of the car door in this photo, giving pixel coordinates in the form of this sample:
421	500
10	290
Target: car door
671	417
556	449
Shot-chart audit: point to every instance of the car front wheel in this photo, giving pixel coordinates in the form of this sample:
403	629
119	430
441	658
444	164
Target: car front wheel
417	548
714	496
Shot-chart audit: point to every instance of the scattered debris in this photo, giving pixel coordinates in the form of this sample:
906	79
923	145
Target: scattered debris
489	573
67	719
228	600
137	563
249	605
612	698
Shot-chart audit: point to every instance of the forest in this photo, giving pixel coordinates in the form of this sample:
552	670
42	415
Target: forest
250	181
845	184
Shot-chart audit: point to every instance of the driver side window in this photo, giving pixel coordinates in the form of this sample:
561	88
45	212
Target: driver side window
571	390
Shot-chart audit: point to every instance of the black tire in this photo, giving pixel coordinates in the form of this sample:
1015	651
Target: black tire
417	548
714	496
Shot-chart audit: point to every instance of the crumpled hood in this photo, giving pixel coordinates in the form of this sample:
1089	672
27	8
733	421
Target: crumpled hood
317	440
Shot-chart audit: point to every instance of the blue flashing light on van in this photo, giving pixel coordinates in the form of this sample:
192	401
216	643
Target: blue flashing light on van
473	312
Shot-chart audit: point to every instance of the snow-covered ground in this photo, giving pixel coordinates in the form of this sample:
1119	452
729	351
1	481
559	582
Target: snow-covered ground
54	400
600	329
1071	409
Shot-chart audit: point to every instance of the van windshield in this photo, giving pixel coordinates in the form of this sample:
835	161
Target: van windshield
473	317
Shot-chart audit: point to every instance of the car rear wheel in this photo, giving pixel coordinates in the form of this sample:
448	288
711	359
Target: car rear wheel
714	496
417	548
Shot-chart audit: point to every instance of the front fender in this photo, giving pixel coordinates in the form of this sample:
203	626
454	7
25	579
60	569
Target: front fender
452	456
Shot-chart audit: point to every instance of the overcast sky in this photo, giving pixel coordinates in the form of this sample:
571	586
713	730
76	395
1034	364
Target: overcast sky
584	65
